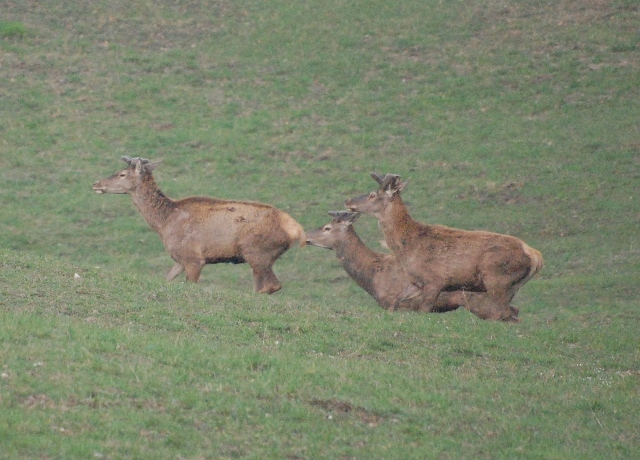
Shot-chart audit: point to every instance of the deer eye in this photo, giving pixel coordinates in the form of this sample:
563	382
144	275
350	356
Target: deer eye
123	174
372	195
327	228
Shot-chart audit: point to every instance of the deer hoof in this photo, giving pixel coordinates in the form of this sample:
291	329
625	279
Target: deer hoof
270	289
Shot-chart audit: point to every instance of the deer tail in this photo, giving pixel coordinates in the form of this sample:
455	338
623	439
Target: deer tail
537	262
293	229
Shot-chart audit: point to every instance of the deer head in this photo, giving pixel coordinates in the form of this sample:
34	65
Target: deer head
127	180
376	201
328	236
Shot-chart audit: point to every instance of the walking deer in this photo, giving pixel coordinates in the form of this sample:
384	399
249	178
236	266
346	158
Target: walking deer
201	230
438	258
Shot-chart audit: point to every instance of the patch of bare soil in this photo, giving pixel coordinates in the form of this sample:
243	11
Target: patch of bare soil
345	407
509	192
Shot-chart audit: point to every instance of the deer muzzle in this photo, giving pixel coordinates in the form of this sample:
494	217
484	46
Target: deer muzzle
98	189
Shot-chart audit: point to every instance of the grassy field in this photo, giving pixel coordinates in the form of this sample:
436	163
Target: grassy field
516	117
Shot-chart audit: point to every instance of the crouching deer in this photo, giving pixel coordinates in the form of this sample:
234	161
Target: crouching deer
438	258
378	274
201	230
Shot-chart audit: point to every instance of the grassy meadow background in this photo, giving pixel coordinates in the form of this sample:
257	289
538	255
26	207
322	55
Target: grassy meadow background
511	116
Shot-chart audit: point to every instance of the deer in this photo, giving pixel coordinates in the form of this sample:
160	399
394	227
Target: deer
379	274
200	230
439	259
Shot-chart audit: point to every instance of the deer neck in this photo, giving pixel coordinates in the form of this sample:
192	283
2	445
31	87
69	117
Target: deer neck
357	260
397	225
154	205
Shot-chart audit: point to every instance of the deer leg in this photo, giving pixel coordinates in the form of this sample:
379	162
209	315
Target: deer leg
494	305
503	299
478	303
452	300
261	255
175	271
265	281
513	311
481	306
502	278
193	271
430	293
410	292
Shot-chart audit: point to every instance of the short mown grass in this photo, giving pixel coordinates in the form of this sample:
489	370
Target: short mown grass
515	117
159	371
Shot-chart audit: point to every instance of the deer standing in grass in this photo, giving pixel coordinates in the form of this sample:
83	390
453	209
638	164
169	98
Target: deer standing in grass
439	259
378	274
201	230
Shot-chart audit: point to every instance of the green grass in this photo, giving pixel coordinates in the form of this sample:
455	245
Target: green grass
12	29
517	117
158	370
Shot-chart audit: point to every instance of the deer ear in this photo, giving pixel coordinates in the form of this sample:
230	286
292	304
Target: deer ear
153	165
379	178
126	159
393	184
351	217
389	181
347	217
339	215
